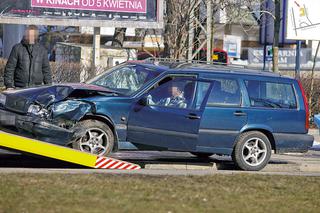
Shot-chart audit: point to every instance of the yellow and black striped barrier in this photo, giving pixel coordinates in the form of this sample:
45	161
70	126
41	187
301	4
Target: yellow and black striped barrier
18	143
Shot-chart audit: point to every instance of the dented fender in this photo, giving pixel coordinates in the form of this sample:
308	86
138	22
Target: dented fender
72	110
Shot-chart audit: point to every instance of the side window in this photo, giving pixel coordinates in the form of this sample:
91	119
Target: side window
271	94
224	92
178	92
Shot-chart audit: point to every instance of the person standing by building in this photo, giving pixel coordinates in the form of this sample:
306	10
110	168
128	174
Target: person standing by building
28	63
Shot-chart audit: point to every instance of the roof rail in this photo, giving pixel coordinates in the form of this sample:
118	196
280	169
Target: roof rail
179	63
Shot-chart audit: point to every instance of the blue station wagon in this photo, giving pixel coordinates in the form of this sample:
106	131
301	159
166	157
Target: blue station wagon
202	109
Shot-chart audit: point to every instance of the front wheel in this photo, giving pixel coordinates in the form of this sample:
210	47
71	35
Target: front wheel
252	151
93	137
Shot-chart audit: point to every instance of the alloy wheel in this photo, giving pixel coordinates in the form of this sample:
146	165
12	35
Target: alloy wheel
254	151
95	141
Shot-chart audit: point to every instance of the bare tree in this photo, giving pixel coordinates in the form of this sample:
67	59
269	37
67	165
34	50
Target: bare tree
176	27
277	23
312	94
179	14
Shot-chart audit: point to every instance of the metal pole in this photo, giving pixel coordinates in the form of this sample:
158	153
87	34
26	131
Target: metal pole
96	46
191	34
264	56
265	18
297	69
209	29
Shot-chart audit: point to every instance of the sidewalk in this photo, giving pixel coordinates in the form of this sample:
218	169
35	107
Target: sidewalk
316	135
306	162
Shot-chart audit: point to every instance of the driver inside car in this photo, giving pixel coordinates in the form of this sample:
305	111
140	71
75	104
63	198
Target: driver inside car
176	98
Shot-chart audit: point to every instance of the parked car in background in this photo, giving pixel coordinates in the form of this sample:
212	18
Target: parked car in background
202	109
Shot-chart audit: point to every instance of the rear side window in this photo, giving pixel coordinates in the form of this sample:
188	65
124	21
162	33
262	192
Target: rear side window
271	94
224	92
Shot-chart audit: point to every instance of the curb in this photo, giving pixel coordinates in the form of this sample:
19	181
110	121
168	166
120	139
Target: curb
279	166
180	166
310	167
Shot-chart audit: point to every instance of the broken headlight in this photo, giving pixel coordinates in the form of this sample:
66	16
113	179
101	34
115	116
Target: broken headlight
3	99
38	111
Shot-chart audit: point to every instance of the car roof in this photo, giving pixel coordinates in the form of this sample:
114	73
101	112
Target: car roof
155	67
207	69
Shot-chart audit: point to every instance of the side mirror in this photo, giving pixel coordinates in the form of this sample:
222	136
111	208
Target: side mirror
144	101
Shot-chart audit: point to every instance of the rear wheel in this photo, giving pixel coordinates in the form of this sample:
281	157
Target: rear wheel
252	151
93	137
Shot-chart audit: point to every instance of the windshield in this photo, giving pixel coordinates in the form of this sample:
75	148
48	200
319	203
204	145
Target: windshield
125	80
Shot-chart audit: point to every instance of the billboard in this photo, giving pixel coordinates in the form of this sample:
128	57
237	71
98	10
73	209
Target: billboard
136	6
93	13
303	20
287	56
267	23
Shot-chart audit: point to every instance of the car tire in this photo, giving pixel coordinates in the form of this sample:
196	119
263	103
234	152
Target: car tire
201	155
93	137
252	151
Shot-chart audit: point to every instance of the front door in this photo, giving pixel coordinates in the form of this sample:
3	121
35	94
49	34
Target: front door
170	116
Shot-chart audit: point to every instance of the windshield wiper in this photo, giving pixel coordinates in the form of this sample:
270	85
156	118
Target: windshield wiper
112	91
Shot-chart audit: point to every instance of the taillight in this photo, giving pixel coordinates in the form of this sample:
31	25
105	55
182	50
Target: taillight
306	105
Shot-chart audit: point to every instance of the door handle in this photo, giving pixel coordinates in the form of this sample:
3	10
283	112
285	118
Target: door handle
193	116
240	113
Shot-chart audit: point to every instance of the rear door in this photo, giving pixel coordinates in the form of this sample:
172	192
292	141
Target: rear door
223	117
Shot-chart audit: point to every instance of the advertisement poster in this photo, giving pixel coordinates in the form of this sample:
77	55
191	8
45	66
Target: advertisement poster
232	45
303	20
133	10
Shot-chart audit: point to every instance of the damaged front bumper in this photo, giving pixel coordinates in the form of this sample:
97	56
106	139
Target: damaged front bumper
34	127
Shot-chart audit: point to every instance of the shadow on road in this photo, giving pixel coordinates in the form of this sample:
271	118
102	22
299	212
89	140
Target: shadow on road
172	160
26	161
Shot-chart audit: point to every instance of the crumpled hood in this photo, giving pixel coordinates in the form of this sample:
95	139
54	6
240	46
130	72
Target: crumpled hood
20	100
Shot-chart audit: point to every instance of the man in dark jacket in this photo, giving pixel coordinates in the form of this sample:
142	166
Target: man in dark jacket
28	64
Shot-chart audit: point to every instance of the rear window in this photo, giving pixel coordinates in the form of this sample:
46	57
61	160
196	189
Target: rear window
271	94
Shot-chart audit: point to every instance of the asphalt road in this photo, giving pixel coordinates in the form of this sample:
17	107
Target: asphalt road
167	163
